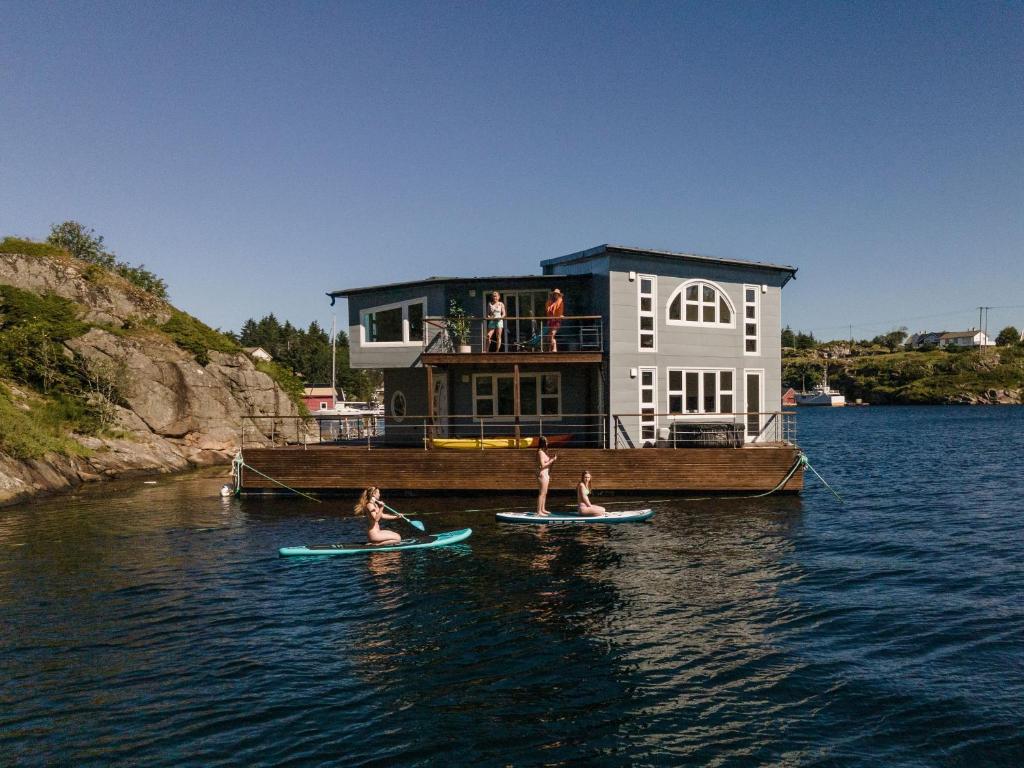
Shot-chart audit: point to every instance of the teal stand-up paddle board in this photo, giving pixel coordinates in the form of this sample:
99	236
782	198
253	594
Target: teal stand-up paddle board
421	542
624	516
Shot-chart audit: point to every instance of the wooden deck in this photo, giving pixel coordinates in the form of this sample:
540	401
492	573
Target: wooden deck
335	469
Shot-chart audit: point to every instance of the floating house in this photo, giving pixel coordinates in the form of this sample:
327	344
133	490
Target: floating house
652	369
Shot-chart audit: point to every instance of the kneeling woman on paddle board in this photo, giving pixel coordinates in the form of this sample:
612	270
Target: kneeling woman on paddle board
371	506
583	497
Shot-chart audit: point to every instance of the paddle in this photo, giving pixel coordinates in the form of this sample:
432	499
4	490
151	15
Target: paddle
414	523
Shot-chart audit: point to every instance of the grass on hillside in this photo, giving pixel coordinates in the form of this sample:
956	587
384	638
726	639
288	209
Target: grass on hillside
26	247
198	338
935	376
31	434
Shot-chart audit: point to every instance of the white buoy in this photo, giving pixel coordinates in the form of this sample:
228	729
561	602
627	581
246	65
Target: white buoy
227	490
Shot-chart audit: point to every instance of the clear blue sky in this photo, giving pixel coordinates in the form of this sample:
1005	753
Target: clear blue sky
256	155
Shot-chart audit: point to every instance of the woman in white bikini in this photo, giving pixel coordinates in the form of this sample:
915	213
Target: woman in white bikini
371	505
495	320
583	497
544	462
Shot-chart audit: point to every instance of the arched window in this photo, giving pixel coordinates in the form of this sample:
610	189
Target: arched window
700	302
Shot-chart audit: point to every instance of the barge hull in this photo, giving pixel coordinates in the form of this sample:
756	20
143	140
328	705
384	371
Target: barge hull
324	469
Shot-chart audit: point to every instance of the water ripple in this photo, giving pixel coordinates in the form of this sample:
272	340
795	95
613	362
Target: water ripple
155	624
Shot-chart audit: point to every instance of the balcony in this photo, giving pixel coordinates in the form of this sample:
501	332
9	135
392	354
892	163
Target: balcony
532	340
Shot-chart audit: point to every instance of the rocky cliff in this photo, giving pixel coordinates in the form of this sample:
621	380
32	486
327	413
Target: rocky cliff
166	408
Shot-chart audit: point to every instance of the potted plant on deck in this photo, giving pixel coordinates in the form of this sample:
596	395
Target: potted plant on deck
456	323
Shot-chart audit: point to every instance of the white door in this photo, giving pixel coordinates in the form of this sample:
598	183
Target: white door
754	393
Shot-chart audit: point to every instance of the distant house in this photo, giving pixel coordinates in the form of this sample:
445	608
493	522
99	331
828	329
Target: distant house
320	398
968	338
258	353
923	339
789	398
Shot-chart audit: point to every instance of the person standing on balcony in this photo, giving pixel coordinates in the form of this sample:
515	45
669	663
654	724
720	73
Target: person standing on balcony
555	311
495	320
544	463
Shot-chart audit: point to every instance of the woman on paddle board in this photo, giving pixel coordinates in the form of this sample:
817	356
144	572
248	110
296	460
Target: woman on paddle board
371	506
586	508
544	463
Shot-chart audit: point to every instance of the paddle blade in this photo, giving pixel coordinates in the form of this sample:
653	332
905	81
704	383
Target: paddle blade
417	524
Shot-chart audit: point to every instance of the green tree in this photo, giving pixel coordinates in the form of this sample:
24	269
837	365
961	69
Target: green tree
1008	337
788	337
805	341
892	340
81	242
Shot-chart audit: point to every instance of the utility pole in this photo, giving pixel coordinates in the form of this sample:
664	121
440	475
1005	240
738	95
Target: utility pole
983	326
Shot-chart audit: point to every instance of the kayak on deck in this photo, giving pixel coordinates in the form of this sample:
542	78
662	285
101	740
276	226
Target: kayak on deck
421	542
623	516
478	443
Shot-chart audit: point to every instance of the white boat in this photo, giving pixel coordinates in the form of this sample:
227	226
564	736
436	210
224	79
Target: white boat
821	395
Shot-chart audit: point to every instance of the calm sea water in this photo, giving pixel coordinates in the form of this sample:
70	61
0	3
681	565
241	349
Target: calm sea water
156	625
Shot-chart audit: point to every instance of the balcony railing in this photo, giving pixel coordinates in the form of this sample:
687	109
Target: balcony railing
575	430
576	333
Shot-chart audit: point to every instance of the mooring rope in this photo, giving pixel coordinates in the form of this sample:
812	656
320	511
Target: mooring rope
239	462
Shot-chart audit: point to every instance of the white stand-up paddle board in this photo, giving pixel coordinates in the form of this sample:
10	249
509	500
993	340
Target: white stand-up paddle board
623	516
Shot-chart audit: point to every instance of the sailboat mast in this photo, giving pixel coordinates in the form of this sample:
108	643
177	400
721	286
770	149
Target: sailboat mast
334	388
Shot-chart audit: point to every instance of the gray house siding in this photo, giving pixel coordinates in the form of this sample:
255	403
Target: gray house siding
689	346
598	283
362	355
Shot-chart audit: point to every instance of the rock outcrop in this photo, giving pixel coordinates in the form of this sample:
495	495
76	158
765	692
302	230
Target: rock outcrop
174	413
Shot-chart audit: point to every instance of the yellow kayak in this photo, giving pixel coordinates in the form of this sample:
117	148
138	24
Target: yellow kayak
476	443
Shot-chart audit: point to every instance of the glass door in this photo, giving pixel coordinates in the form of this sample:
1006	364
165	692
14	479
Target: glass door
754	399
523	335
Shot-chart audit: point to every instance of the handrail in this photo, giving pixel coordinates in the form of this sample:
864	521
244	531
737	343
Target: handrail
518	333
605	430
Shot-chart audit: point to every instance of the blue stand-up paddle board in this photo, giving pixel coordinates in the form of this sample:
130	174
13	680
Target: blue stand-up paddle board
421	542
624	516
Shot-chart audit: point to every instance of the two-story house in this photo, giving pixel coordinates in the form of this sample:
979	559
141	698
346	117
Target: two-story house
651	352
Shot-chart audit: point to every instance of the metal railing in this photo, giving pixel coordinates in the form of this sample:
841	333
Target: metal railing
575	333
704	430
579	430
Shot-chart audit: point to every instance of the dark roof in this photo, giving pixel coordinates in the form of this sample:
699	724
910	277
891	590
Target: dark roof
629	250
546	279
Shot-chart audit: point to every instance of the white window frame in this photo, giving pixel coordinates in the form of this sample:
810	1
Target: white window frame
653	405
404	305
536	376
756	304
653	313
700	413
720	293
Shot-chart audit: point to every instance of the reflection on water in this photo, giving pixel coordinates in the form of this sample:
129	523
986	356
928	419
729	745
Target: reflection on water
156	625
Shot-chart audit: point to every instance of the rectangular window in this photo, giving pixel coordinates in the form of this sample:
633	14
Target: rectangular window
751	320
647	292
415	313
540	394
648	403
394	324
699	391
